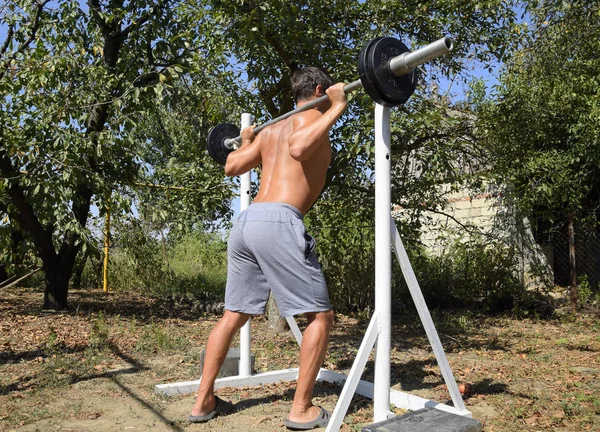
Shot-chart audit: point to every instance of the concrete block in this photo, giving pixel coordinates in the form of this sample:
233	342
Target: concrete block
426	420
482	221
489	210
480	203
461	214
231	365
466	204
474	212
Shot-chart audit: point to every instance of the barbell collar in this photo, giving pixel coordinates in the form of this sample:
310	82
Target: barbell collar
405	63
400	65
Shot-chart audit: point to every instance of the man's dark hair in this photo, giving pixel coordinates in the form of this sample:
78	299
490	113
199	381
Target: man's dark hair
305	81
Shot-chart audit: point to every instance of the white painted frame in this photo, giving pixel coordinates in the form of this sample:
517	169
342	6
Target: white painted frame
379	330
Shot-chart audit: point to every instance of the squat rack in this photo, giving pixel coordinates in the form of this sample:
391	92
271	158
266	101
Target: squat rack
378	333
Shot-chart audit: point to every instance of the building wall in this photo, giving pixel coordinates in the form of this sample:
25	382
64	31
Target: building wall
464	212
487	213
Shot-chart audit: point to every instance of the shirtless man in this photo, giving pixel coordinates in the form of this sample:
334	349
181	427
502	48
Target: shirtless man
269	249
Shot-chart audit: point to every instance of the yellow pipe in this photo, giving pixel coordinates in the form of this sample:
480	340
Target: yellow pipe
106	245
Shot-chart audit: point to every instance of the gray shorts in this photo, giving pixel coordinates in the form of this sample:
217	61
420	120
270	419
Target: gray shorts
270	250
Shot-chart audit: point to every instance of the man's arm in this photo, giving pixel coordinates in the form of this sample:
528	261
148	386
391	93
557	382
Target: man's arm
310	129
247	156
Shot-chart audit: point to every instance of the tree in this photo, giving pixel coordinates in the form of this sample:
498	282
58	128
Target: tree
545	122
74	78
171	137
80	85
270	40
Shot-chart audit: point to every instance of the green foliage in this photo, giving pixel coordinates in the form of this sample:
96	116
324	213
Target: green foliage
545	123
476	273
100	332
585	293
77	83
52	345
272	39
137	261
345	246
155	338
119	97
198	262
91	273
14	251
144	260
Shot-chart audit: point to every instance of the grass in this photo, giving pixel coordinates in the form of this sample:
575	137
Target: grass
155	338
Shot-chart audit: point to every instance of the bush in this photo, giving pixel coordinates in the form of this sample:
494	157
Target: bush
347	256
194	265
345	247
198	263
477	273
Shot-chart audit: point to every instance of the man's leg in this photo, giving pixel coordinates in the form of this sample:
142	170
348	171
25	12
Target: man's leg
312	354
216	351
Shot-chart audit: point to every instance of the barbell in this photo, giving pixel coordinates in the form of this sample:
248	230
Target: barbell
387	71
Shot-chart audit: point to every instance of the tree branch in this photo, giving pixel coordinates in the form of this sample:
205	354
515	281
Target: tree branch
168	63
96	10
468	228
33	32
281	52
368	191
267	97
25	215
9	36
136	24
417	143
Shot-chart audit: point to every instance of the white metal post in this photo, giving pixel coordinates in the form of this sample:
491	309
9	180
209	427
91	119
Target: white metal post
426	320
245	365
383	262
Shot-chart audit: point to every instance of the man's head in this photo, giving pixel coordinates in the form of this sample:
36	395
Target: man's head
305	82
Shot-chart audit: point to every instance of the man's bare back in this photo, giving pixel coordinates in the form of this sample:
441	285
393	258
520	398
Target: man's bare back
295	153
266	255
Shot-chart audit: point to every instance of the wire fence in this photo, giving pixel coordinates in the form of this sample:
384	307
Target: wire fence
587	254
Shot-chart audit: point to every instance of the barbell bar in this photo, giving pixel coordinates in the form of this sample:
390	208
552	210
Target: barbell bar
387	71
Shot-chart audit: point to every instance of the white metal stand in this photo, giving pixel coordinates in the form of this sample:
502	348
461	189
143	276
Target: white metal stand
245	365
379	329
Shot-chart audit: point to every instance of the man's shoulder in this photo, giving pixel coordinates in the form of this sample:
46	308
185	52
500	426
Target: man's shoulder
307	116
313	112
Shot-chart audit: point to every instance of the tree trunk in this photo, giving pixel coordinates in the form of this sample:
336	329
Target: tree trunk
276	321
572	264
79	271
3	274
59	270
55	294
18	252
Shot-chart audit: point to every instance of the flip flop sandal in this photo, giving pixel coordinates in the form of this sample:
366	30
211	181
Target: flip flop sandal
222	407
321	421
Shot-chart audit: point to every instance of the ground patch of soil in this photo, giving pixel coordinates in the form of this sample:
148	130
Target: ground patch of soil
94	367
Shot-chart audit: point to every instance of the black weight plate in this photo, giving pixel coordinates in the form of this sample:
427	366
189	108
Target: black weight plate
393	89
215	141
367	75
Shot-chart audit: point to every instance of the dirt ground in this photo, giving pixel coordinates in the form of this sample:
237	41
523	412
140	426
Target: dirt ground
94	367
